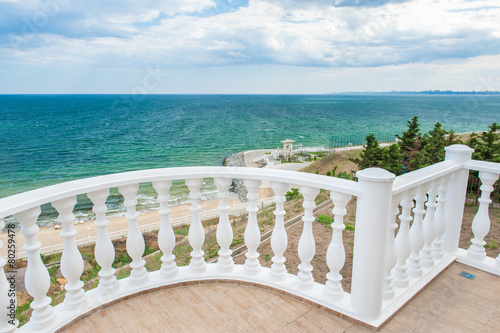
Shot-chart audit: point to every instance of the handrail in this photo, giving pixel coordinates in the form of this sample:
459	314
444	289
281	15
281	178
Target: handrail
423	176
483	166
23	201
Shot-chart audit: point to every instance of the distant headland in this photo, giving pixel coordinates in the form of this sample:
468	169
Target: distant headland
425	92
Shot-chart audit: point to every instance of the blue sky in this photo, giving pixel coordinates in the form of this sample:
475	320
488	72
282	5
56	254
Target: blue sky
248	46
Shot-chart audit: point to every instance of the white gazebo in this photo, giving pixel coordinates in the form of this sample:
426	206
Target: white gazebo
288	148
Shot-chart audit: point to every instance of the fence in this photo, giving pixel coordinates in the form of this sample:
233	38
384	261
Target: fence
358	139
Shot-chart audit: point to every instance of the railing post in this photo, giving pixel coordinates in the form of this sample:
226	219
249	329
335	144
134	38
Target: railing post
481	222
71	260
252	232
104	248
370	241
37	278
456	196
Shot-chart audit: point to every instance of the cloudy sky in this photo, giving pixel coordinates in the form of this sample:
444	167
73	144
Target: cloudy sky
248	46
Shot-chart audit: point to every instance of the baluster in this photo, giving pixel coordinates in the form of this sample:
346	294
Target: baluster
417	235
71	260
335	254
403	242
279	239
8	322
135	240
224	229
306	247
437	244
37	278
498	261
252	231
391	257
429	224
104	249
196	232
166	235
481	222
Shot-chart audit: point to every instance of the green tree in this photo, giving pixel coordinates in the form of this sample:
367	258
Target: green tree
371	156
433	144
392	159
410	143
487	146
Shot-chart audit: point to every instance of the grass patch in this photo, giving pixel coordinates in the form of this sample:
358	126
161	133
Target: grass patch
325	219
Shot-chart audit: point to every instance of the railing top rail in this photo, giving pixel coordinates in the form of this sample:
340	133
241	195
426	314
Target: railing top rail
23	201
422	176
483	166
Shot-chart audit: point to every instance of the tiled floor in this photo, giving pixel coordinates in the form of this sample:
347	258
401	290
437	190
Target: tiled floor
450	304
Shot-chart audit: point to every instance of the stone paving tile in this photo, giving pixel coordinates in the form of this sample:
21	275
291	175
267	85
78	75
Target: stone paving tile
450	304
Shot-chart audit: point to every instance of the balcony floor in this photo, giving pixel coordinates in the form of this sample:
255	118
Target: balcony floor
451	303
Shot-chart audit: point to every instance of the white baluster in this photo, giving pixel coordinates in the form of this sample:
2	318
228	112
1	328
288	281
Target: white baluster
279	239
403	242
71	260
417	235
481	222
104	249
335	254
8	301
224	229
166	235
135	240
252	231
37	278
196	232
306	247
391	257
498	261
437	244
429	227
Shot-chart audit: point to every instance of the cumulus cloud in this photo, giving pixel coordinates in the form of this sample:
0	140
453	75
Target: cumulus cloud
340	33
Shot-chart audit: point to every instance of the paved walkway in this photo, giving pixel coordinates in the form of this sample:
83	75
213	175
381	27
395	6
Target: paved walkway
450	304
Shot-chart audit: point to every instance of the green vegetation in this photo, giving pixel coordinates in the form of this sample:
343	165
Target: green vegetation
325	219
492	245
416	150
293	194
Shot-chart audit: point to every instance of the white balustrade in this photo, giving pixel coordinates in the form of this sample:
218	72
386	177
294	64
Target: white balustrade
252	231
429	224
104	249
71	260
37	278
335	254
135	240
481	222
166	235
279	239
196	232
224	229
381	261
306	247
417	239
391	257
403	242
8	301
437	244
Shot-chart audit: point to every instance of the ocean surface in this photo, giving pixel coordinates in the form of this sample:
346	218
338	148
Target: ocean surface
48	139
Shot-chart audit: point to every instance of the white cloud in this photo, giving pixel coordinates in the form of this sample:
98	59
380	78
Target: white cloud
208	33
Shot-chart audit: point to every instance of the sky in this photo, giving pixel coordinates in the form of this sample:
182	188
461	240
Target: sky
248	46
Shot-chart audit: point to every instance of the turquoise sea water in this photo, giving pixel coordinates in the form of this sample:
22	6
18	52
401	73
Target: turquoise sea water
47	139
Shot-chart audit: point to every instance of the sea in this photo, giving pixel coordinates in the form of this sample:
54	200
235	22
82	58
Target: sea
49	139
